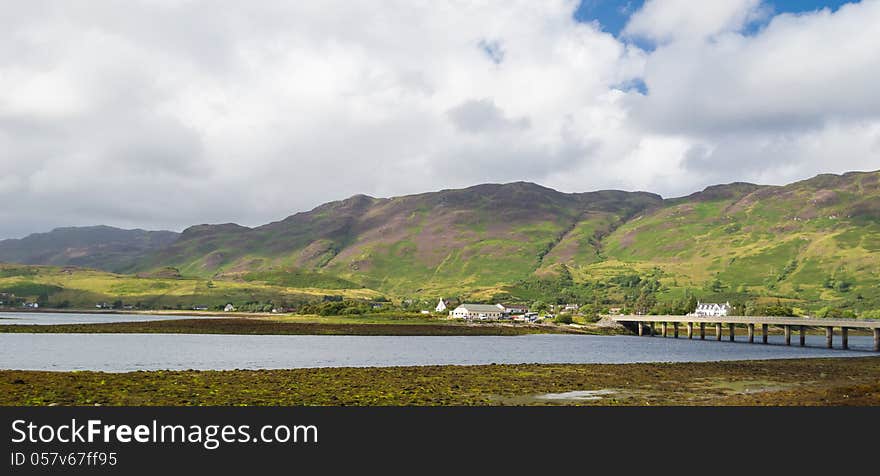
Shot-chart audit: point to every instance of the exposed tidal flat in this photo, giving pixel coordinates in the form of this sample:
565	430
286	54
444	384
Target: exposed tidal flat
853	381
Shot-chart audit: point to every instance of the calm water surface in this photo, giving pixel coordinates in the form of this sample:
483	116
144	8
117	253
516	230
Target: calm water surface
45	318
130	352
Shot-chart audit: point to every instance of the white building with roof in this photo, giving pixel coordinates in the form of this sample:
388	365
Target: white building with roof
477	311
712	309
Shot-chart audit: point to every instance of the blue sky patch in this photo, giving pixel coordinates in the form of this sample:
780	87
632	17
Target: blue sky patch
493	50
613	15
635	84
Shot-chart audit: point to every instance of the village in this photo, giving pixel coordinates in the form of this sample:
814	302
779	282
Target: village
446	307
470	311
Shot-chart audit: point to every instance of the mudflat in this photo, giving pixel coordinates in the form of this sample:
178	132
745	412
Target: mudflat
833	381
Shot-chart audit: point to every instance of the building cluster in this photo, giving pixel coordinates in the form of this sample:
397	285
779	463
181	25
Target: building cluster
11	300
470	311
711	309
116	305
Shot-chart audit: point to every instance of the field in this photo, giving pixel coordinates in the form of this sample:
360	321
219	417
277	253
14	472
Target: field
70	287
845	381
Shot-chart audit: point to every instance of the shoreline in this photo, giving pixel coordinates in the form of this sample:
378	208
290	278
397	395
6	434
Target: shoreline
821	381
163	312
252	326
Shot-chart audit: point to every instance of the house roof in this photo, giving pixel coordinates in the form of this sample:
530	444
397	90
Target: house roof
479	307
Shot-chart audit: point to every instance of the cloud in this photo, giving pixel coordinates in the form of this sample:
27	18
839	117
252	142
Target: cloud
761	106
667	20
789	77
483	115
163	114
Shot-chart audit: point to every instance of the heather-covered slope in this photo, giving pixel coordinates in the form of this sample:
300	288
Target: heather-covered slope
478	236
816	241
101	247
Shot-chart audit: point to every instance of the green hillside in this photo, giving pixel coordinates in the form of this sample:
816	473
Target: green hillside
70	287
812	245
811	241
440	242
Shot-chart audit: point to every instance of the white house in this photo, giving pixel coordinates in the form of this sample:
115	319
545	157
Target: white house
477	311
441	306
513	309
712	309
229	308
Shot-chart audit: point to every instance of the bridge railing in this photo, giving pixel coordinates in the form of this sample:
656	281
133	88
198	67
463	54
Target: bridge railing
646	324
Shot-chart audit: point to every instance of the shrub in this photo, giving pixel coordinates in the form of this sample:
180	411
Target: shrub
835	313
873	314
564	319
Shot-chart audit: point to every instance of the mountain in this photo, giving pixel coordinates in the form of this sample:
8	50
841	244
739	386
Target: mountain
100	247
473	237
816	240
812	242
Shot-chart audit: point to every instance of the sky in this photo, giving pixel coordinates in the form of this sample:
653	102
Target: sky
162	114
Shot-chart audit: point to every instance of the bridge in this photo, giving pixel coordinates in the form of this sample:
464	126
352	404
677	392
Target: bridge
647	324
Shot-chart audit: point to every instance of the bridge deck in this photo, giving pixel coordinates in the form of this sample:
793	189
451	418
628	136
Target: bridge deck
781	321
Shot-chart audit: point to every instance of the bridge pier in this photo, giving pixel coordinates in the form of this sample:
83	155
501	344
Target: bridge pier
649	325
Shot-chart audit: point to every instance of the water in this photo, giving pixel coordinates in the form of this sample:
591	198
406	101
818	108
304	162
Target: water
130	352
45	318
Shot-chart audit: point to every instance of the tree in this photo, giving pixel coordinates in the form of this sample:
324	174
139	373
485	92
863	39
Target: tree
539	306
565	278
645	302
716	286
828	283
691	304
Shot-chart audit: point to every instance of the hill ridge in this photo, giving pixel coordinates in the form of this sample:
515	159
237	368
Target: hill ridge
805	239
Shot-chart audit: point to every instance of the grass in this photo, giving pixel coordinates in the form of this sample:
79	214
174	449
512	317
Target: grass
845	381
83	288
300	279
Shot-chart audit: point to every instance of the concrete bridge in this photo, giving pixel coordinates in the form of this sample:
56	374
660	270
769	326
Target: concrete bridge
647	324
